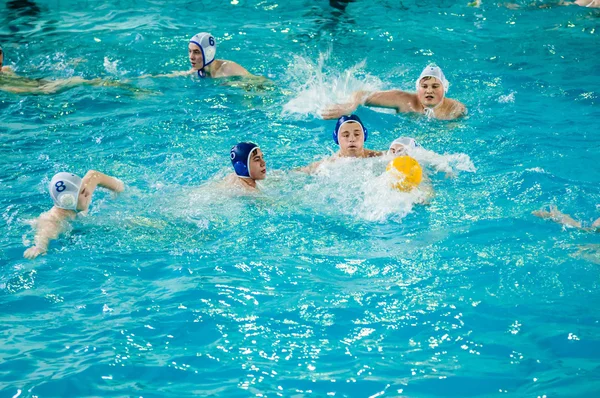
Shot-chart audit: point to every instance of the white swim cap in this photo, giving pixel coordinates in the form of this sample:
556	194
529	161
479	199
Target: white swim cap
207	45
407	142
64	190
434	71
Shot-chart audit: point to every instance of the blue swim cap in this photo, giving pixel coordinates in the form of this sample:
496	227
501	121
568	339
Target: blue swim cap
346	119
240	158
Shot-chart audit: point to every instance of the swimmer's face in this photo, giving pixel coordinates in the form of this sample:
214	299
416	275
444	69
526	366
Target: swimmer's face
258	166
351	138
195	56
1	59
430	92
397	149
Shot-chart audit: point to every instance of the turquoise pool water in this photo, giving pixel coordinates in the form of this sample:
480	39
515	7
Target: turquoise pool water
321	285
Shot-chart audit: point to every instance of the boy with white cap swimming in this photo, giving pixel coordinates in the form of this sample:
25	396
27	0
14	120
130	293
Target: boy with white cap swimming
402	146
248	164
202	49
70	195
430	99
350	134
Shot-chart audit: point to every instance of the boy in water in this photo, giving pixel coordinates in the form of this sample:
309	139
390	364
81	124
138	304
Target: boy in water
4	69
430	99
70	195
202	49
249	166
555	215
350	134
13	83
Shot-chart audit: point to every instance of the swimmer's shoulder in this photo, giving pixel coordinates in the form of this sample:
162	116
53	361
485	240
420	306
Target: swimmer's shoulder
8	70
231	179
453	109
225	68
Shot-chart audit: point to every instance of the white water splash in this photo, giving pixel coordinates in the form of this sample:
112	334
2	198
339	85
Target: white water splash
318	85
509	98
448	163
113	67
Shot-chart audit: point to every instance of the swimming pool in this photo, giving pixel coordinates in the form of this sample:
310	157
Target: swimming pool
317	286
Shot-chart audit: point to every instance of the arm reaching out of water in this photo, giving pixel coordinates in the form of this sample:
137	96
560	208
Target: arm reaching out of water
430	99
93	179
70	195
49	226
392	99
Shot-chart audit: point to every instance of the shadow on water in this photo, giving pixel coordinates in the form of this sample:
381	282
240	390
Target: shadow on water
21	13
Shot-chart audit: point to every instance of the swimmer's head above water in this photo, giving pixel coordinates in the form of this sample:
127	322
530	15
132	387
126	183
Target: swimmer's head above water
1	57
432	86
401	146
350	134
64	190
248	161
201	50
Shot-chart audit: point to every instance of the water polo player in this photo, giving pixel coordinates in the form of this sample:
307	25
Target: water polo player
350	134
202	49
402	146
4	69
70	195
248	164
430	99
557	216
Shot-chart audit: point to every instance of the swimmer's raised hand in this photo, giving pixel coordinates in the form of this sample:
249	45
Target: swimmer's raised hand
337	110
33	252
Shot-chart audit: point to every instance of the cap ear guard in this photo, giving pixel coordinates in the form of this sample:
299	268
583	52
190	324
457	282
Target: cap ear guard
208	47
64	190
240	158
241	169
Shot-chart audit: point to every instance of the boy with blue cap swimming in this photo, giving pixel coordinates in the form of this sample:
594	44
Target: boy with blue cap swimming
248	164
350	134
430	99
70	195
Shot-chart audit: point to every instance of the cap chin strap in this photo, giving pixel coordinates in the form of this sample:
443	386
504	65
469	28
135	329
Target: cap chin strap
430	111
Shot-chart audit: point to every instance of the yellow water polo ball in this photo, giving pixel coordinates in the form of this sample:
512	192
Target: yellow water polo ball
407	171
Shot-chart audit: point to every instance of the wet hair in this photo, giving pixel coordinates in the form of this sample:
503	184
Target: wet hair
428	78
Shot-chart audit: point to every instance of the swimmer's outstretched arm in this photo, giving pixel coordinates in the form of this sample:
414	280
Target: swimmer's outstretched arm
49	226
399	100
555	215
172	74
